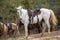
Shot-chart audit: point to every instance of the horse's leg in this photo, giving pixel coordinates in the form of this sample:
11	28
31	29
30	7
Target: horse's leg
29	28
5	31
43	29
18	30
26	29
38	29
46	19
40	26
15	32
12	33
48	25
49	28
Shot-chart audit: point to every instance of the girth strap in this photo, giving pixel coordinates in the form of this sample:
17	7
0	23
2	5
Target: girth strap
37	19
31	19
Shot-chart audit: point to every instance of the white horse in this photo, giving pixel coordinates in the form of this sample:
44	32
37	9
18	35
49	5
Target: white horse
46	14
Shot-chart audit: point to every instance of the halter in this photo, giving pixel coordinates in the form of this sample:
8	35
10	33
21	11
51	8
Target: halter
20	13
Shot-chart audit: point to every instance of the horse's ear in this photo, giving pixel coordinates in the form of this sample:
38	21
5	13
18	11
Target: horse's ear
20	6
16	7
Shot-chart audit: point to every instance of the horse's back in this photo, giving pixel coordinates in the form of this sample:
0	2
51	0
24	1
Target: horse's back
14	26
45	13
45	9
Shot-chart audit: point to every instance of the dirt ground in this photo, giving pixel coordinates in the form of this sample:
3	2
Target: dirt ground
55	35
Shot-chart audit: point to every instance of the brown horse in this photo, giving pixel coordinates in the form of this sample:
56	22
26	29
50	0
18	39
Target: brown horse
12	29
3	29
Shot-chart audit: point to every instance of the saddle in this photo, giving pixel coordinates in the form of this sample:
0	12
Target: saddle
33	13
9	25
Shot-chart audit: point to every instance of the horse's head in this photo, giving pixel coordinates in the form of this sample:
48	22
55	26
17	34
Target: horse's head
19	8
22	13
19	13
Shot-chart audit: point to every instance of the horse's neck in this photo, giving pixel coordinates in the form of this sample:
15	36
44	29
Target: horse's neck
24	12
24	15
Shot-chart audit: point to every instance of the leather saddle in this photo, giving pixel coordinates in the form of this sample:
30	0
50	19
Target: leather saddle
33	13
9	25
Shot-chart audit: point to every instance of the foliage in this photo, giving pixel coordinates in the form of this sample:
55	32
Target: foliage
8	7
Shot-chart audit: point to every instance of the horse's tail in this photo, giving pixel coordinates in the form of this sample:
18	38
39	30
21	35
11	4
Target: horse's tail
53	18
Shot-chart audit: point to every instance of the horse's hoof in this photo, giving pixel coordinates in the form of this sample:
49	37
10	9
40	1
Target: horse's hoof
49	32
41	35
26	37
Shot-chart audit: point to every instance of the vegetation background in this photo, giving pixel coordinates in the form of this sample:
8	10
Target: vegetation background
8	8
